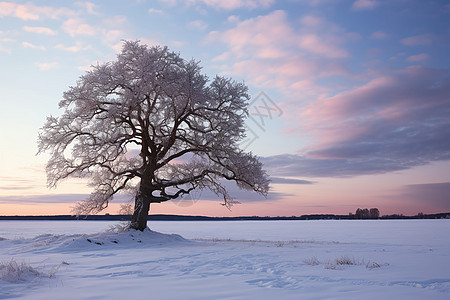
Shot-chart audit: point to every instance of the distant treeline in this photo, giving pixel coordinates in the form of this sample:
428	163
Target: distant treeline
203	218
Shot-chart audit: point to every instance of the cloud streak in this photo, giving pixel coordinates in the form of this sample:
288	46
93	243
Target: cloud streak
364	4
32	46
47	65
8	183
418	57
224	5
75	48
393	122
434	195
376	121
40	30
282	180
418	40
32	12
54	198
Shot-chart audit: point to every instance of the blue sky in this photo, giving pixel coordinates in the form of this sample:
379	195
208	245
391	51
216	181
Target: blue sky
359	90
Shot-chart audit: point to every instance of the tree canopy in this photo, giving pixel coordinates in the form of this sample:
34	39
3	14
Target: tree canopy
150	123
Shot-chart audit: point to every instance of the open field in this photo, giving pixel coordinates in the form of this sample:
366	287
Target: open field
407	259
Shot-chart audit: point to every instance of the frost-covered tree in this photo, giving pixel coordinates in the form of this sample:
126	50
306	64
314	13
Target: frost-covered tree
150	123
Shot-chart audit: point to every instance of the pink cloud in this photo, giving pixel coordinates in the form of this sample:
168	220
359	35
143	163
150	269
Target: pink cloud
418	57
47	66
418	40
364	4
89	7
233	19
155	11
318	45
7	8
32	46
399	118
344	104
24	12
3	45
379	35
274	31
76	48
40	30
256	34
76	27
226	5
269	51
30	11
198	24
311	21
112	35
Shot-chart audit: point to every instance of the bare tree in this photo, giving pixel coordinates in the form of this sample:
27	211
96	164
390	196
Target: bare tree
150	123
374	213
365	213
362	213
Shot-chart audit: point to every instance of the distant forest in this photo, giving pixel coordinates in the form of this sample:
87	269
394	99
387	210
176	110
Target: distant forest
360	214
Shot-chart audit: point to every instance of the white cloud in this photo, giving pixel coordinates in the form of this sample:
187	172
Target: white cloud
198	24
117	47
87	68
32	46
40	30
112	30
3	47
115	21
76	48
112	35
47	66
155	11
233	19
75	27
176	43
89	7
150	42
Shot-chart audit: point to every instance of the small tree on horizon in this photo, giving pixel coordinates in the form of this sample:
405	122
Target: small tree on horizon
374	213
150	124
365	213
362	213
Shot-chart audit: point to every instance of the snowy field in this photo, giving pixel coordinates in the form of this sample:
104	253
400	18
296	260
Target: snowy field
407	259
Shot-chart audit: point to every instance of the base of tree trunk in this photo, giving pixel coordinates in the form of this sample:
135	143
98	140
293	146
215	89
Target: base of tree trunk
141	210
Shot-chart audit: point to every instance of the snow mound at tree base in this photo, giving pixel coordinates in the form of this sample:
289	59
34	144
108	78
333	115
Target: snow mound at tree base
90	242
127	239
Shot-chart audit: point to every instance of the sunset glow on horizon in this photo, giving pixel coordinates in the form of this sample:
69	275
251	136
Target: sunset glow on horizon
350	100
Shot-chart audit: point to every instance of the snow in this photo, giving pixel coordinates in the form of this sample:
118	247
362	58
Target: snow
404	259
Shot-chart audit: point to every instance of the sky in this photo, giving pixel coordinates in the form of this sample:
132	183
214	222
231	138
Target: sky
350	99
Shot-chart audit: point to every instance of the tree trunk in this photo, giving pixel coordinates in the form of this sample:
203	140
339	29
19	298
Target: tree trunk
140	214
